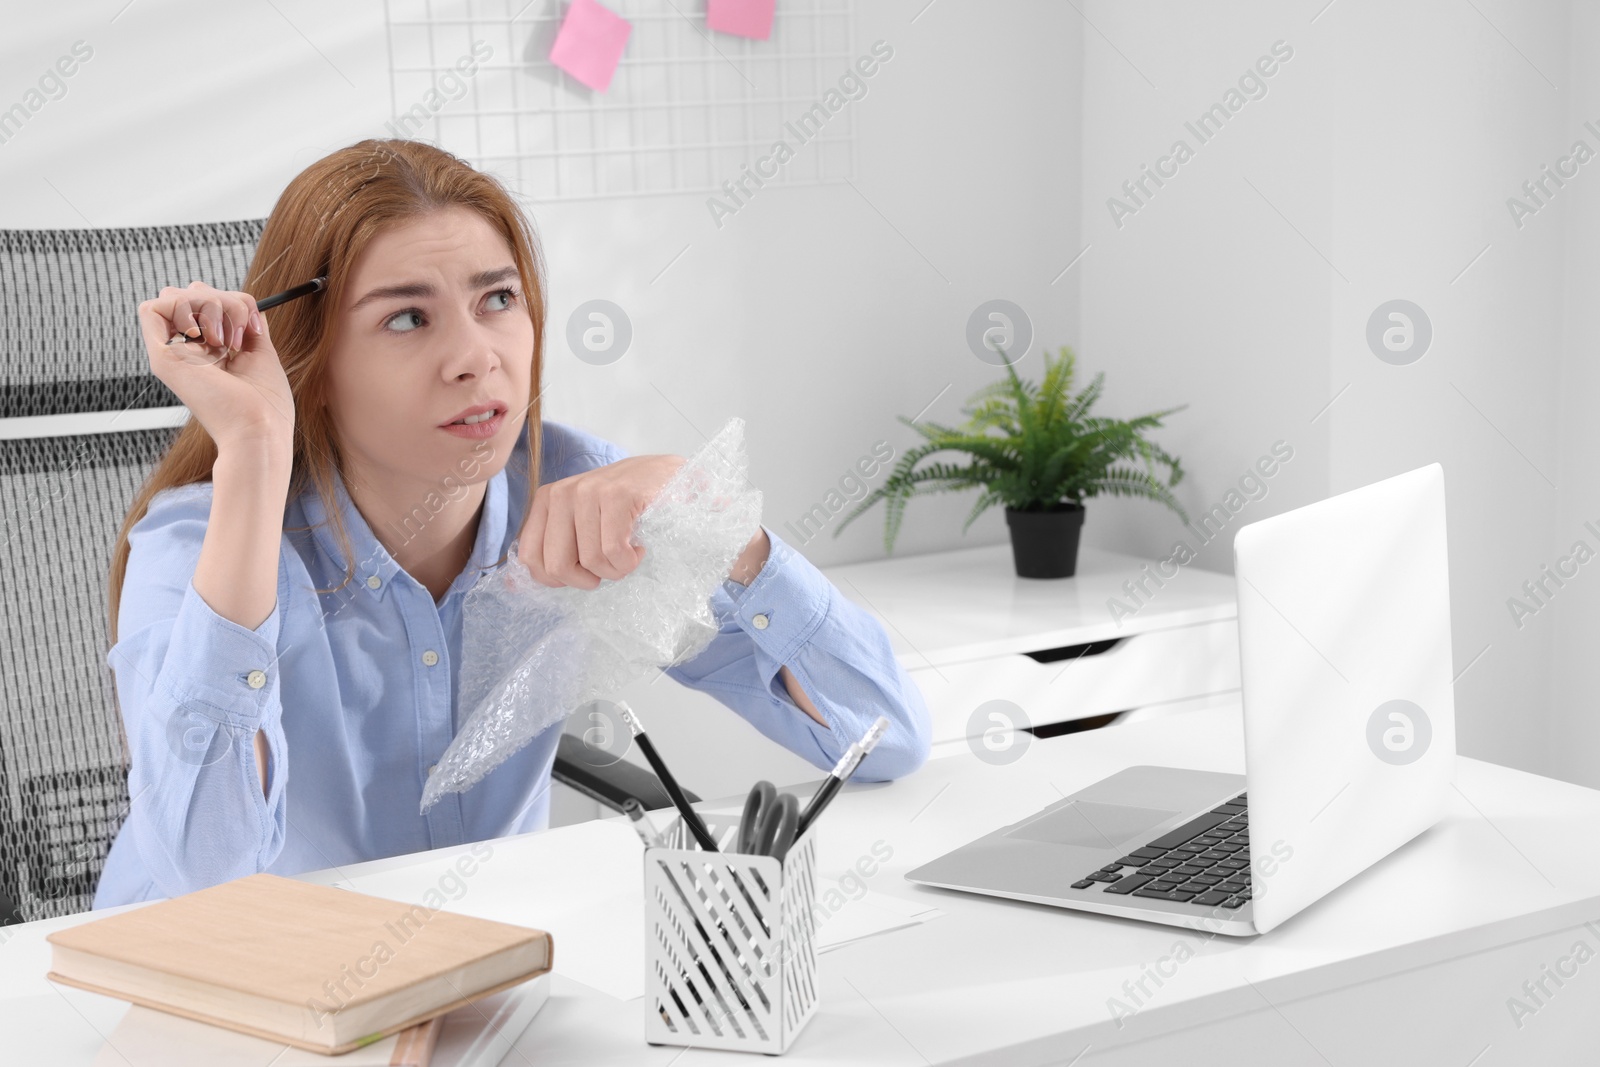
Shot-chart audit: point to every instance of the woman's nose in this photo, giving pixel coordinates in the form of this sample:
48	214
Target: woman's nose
471	352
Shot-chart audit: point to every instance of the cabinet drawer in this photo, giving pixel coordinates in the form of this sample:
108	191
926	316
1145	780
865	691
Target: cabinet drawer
1146	668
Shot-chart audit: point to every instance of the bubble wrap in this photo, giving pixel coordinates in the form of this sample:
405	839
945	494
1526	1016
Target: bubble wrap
532	654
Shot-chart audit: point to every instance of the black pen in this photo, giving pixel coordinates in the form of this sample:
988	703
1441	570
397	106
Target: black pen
315	285
691	818
647	833
843	769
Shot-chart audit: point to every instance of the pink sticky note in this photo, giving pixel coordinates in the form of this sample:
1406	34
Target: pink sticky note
590	43
743	18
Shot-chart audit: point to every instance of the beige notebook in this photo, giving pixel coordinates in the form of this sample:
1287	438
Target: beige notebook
317	967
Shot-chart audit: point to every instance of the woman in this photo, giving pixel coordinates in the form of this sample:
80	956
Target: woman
288	584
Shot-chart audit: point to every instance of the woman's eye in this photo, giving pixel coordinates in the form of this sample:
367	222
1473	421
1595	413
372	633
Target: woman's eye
511	296
408	313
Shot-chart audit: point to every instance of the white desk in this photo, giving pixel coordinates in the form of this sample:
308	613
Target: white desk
1412	962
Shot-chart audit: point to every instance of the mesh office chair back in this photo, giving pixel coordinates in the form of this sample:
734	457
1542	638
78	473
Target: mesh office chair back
82	424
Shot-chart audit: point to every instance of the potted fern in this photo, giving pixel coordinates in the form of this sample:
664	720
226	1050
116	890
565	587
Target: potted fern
1049	455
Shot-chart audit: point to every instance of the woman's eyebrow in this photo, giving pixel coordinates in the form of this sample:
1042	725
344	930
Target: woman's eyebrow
414	290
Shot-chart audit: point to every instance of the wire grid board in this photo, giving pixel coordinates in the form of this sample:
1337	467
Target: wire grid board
687	109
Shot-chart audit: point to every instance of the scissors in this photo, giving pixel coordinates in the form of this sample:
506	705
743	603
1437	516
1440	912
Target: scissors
767	827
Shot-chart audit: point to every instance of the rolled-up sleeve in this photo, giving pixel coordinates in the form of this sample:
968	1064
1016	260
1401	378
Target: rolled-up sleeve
193	689
791	615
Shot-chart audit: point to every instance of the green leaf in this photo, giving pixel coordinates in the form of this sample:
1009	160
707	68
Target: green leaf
1031	445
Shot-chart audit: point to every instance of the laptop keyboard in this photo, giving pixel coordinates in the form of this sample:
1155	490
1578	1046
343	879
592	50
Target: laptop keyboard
1205	861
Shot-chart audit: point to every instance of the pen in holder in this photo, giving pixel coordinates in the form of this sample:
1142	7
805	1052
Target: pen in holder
730	956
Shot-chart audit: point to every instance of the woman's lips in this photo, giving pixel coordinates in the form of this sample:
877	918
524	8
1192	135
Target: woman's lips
477	430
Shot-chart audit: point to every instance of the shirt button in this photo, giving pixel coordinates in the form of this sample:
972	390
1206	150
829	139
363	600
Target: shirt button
373	581
430	657
759	622
256	679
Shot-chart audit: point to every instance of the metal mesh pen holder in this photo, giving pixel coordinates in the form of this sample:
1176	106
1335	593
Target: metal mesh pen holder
730	958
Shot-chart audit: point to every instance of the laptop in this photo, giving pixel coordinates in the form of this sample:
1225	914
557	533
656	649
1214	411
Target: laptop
1349	738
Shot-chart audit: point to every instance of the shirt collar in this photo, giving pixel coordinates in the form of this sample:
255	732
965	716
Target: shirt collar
372	560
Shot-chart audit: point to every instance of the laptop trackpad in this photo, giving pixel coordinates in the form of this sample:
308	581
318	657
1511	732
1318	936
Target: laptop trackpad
1091	824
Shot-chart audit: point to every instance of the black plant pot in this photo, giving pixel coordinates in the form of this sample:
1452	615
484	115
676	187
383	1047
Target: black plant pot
1044	541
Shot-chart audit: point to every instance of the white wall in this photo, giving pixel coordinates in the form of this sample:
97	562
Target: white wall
1439	121
1572	619
1205	295
817	314
1375	167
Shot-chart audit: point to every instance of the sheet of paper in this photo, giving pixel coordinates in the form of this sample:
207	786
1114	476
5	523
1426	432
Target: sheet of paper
742	18
590	42
848	919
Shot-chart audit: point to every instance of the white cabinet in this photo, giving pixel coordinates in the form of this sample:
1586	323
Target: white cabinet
1157	667
1115	638
964	625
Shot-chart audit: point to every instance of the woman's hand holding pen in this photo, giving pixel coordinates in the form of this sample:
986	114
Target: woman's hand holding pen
227	374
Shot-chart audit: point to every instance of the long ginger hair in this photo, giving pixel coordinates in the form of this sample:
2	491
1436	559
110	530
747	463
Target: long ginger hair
319	227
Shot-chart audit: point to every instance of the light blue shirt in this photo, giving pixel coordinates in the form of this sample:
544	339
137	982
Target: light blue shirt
356	692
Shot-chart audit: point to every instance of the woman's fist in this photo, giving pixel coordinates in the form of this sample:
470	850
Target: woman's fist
579	530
